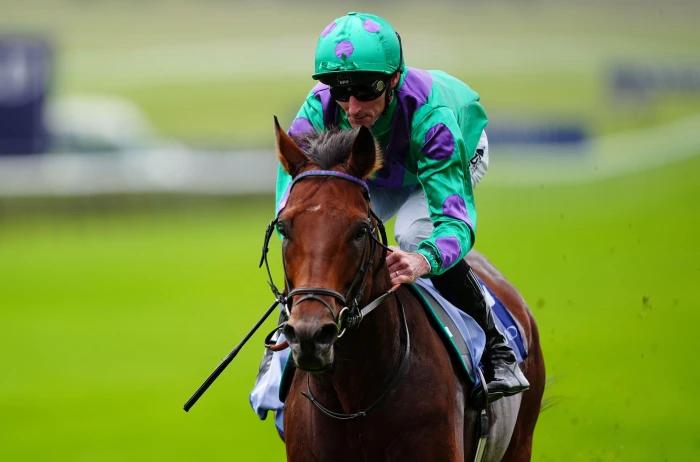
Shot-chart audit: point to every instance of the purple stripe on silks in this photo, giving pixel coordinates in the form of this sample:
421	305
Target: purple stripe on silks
449	250
412	94
439	142
328	29
301	126
455	207
344	49
371	26
328	105
391	175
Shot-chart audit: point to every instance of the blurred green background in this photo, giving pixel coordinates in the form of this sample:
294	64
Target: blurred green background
114	308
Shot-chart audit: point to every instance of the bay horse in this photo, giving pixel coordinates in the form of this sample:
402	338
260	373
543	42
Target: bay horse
377	383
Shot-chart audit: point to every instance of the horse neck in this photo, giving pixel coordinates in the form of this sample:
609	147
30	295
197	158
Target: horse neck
367	356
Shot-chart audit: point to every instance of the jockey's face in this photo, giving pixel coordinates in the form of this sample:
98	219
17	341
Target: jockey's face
366	112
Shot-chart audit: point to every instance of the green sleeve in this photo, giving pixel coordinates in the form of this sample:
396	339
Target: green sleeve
309	119
443	147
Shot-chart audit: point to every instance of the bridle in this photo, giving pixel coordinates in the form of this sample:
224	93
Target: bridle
351	315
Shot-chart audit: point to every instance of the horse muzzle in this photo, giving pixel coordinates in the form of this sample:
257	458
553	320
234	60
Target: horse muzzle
311	342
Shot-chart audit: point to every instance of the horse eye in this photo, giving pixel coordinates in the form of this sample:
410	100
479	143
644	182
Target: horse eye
282	229
360	233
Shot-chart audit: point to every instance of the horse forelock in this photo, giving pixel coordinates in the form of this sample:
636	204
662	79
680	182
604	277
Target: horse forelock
331	149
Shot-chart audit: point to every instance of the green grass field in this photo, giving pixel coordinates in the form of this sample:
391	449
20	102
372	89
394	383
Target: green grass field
111	319
114	309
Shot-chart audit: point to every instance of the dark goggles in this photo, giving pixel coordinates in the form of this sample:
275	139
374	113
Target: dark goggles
361	91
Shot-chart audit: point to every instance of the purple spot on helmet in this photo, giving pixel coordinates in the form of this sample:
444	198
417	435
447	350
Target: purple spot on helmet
344	48
455	207
439	142
449	250
328	29
301	126
371	26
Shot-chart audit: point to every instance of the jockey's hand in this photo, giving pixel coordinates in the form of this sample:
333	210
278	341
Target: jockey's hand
406	267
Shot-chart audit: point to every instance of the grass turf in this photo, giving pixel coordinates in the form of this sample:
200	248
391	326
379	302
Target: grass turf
110	320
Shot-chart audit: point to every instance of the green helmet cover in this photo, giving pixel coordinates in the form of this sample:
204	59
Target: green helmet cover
358	42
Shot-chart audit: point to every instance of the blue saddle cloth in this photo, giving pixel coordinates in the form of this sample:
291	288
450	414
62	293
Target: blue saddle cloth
463	337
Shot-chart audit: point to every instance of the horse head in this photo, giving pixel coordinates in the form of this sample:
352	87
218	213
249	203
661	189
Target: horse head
330	254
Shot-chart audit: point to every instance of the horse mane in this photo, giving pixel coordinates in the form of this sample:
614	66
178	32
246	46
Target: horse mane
332	148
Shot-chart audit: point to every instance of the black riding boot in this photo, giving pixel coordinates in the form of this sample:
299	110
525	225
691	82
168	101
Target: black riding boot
503	376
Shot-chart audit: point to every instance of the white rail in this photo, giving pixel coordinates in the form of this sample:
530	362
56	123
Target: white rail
177	169
154	170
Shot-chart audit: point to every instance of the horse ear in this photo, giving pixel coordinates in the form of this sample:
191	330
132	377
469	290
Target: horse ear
365	157
290	155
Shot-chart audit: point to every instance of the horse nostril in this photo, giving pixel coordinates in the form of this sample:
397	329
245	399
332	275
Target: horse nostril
289	333
326	334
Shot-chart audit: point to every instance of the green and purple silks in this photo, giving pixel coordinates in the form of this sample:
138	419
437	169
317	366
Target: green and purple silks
428	132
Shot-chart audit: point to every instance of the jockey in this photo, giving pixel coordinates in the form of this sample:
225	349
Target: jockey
430	127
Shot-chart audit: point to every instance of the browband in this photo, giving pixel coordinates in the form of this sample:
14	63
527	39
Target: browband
344	176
